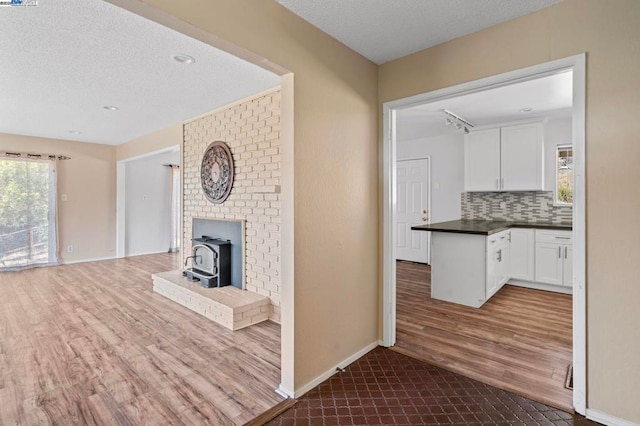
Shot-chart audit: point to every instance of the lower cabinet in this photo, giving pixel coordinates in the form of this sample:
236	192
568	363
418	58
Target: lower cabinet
523	245
498	254
469	269
554	258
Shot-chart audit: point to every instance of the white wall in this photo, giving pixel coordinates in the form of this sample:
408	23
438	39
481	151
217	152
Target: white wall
556	132
147	204
447	171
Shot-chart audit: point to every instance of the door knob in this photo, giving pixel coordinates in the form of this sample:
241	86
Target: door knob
424	218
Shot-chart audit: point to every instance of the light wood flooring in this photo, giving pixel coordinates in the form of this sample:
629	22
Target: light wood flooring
519	341
91	344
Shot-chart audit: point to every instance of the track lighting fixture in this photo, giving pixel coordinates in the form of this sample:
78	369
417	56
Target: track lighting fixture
458	122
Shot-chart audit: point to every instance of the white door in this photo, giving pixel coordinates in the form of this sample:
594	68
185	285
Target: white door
522	254
413	209
568	266
521	153
549	263
482	160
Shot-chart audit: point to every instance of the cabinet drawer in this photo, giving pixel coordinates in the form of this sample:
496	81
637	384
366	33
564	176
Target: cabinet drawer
551	236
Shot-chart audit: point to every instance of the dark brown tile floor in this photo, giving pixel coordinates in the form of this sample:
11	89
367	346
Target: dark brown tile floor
388	388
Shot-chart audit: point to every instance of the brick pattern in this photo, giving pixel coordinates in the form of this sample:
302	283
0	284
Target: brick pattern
387	388
533	206
251	128
228	306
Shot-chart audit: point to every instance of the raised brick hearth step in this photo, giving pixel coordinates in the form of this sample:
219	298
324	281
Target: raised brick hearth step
228	306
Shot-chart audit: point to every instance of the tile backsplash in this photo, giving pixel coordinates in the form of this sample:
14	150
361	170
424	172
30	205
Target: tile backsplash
534	206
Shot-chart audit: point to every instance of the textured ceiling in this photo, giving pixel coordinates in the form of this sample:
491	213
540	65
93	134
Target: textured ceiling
547	97
64	60
384	30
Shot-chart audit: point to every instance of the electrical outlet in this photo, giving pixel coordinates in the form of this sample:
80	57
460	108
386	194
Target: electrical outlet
70	249
64	197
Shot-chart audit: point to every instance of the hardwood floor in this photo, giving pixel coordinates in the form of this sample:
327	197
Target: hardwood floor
91	344
520	340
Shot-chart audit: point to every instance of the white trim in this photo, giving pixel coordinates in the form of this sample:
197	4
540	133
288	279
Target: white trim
283	392
540	286
146	253
575	63
324	376
579	236
95	259
389	165
607	419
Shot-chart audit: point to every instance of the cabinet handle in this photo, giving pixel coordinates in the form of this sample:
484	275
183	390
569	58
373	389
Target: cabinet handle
509	236
499	256
563	238
565	252
559	252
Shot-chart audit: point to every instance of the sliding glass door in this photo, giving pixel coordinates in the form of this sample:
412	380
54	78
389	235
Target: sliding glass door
27	213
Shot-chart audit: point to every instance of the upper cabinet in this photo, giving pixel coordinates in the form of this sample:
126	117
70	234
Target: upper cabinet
508	158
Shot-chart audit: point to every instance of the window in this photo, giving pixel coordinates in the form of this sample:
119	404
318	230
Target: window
564	175
27	213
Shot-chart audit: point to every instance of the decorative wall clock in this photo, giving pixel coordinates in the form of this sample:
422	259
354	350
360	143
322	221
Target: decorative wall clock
217	172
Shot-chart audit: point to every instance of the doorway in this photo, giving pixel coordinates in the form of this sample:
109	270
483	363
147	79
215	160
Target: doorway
575	64
414	205
148	199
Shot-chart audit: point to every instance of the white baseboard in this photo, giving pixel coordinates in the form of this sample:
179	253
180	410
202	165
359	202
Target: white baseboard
146	253
283	392
607	419
95	259
541	286
324	376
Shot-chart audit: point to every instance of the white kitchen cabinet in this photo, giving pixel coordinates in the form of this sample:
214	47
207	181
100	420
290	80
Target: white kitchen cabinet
505	159
549	263
567	280
521	157
522	254
554	258
482	160
498	250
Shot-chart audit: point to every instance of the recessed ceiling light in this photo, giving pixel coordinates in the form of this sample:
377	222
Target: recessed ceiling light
184	59
526	110
75	132
110	108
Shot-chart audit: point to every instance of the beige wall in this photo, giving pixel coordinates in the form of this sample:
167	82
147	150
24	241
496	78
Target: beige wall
608	32
163	138
251	129
87	219
335	172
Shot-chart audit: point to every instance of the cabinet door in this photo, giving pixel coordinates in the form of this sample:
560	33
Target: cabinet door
503	259
492	264
522	157
549	263
567	253
522	254
482	160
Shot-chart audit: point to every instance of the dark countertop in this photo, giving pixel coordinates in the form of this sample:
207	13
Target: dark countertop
486	227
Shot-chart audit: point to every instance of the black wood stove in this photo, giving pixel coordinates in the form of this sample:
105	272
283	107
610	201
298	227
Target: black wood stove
210	262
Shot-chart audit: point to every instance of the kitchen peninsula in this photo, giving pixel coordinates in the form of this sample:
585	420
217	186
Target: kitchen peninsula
472	259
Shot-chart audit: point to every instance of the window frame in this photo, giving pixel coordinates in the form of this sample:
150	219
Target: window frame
560	147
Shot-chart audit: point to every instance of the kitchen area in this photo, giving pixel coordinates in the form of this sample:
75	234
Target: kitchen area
485	276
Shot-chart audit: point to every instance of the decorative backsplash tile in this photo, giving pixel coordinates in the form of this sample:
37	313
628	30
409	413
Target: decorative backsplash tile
534	206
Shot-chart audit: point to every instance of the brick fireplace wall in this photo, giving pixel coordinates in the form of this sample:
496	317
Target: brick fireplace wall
251	128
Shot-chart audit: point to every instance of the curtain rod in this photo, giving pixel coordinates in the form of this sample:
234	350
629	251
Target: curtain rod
35	156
